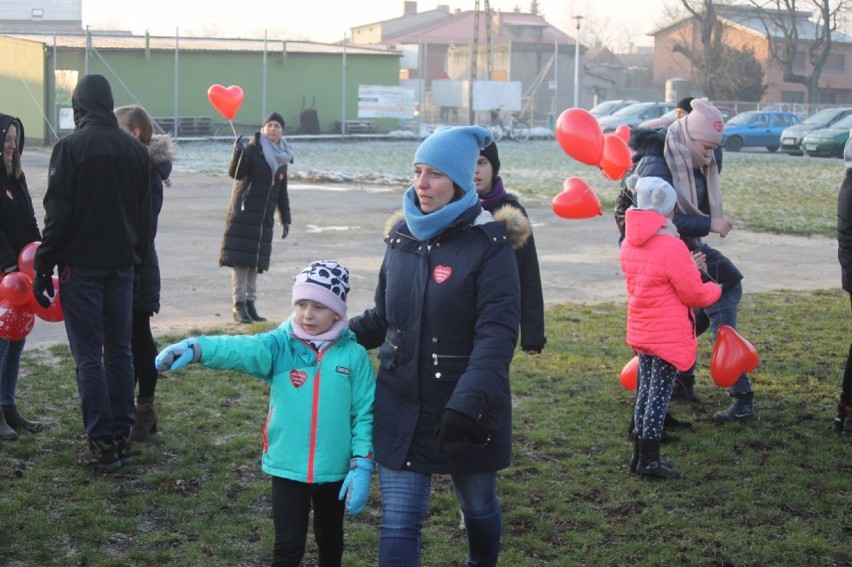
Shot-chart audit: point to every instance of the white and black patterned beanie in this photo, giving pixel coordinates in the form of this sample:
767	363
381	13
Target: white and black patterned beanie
325	282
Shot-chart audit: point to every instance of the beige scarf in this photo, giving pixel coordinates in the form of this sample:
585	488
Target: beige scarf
682	157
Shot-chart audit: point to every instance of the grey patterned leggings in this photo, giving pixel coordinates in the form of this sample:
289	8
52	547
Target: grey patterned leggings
653	392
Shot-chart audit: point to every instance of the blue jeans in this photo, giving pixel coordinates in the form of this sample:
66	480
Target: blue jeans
405	503
724	312
10	365
97	305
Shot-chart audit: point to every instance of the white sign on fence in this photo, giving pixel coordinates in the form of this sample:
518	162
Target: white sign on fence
385	102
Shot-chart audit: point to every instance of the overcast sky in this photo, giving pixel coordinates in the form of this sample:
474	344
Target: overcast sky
328	20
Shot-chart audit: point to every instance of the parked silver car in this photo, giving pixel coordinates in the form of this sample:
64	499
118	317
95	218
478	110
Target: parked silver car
634	114
791	138
607	107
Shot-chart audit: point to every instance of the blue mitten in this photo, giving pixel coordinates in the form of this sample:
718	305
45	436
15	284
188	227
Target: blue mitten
356	486
178	355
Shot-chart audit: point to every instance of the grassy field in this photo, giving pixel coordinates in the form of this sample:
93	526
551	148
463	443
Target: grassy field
774	491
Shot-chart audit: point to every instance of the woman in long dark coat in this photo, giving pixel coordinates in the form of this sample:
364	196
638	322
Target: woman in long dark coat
259	169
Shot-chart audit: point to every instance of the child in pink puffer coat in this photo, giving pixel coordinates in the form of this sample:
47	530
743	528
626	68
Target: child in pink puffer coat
663	285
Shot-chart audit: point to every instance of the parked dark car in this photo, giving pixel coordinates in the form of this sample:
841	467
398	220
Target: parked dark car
829	141
607	107
791	138
634	114
756	128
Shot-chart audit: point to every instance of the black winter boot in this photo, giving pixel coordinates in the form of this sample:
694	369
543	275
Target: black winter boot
18	422
634	460
240	313
650	465
252	312
684	388
674	423
843	419
741	408
6	432
146	419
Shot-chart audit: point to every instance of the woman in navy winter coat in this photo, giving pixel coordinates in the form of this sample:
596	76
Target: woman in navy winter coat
445	320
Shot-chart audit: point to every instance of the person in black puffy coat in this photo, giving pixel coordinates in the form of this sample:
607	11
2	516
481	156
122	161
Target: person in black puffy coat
259	169
445	321
843	421
493	196
146	284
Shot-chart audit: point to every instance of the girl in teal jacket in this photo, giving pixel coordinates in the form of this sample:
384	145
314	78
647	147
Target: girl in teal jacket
318	435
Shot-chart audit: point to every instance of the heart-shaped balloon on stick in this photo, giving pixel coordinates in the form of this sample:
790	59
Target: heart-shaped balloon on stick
732	355
227	100
576	201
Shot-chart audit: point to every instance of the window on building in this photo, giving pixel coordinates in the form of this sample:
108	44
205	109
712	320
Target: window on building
799	61
793	96
835	63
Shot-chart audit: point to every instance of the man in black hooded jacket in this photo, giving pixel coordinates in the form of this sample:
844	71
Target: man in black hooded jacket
96	229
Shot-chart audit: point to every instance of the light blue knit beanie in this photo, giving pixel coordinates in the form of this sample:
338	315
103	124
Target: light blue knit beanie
454	152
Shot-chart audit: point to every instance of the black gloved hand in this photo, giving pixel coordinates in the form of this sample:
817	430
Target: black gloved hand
43	283
239	145
456	426
285	231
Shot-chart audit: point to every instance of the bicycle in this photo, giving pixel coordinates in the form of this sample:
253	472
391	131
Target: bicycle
517	130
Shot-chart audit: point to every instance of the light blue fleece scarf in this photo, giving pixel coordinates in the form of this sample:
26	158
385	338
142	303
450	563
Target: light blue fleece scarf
426	226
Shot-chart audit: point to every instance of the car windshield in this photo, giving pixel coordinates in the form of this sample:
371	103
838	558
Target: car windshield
741	118
844	124
632	110
605	107
821	117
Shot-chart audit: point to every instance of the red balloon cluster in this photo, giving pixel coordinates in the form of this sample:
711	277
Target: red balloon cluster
18	307
580	136
732	355
227	100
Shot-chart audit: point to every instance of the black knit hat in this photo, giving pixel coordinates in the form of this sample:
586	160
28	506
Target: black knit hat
274	116
685	104
490	153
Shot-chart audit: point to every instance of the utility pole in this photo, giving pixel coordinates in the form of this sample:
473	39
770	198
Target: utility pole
577	64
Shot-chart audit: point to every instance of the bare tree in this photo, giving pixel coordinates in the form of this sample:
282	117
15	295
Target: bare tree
706	56
788	30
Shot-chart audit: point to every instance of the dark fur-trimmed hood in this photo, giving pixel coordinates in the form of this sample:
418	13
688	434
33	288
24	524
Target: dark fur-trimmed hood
517	224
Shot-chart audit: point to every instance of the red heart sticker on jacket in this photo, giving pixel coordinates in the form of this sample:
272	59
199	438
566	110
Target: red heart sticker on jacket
442	273
297	377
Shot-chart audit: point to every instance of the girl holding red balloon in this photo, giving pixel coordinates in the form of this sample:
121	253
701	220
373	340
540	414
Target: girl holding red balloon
18	228
663	284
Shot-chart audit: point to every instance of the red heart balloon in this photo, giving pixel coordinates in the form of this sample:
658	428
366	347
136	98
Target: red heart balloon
52	314
630	374
16	322
576	201
623	132
580	136
617	157
226	100
27	257
732	355
16	288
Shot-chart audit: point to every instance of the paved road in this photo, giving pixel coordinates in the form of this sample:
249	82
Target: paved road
579	259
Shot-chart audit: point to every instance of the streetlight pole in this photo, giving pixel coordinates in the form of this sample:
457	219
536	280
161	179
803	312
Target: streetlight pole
577	64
